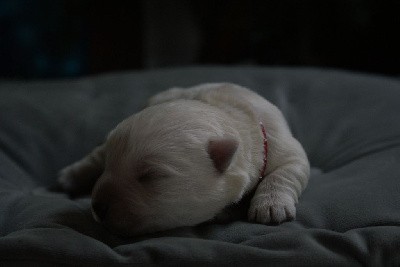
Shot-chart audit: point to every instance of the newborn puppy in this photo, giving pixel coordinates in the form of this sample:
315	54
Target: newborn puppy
187	156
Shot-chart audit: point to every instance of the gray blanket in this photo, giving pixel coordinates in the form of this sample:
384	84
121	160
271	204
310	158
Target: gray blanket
349	215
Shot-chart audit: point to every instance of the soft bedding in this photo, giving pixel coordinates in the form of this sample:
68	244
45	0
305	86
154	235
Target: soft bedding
349	215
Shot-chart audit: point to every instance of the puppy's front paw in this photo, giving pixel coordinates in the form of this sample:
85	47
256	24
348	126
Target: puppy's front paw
272	208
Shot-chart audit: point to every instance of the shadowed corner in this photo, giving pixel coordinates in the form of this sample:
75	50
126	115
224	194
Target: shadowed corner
234	212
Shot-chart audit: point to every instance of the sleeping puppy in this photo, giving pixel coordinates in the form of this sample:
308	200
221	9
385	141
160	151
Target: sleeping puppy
187	156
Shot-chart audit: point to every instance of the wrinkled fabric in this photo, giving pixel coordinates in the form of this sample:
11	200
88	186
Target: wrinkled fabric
349	215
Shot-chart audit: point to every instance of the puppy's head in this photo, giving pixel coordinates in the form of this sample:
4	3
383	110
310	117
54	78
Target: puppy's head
167	166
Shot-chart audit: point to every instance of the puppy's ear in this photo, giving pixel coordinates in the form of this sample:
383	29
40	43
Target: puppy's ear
221	152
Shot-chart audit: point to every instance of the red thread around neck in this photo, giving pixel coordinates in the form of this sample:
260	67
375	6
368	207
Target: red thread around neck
265	145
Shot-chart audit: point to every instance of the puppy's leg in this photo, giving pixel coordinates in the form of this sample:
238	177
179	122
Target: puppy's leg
276	195
288	171
80	177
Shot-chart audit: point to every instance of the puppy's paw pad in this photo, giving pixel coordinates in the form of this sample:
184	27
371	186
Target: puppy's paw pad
263	210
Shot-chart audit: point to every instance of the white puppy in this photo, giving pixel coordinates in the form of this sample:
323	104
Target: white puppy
188	155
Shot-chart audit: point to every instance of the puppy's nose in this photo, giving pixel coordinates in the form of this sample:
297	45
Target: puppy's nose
99	210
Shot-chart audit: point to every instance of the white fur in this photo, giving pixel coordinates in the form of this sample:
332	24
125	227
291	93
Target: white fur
167	143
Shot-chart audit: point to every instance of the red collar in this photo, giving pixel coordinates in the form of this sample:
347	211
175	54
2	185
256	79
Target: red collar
265	144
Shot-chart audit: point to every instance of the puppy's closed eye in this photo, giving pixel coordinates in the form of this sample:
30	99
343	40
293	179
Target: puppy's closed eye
150	177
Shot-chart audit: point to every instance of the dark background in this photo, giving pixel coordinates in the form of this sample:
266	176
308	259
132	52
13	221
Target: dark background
68	38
